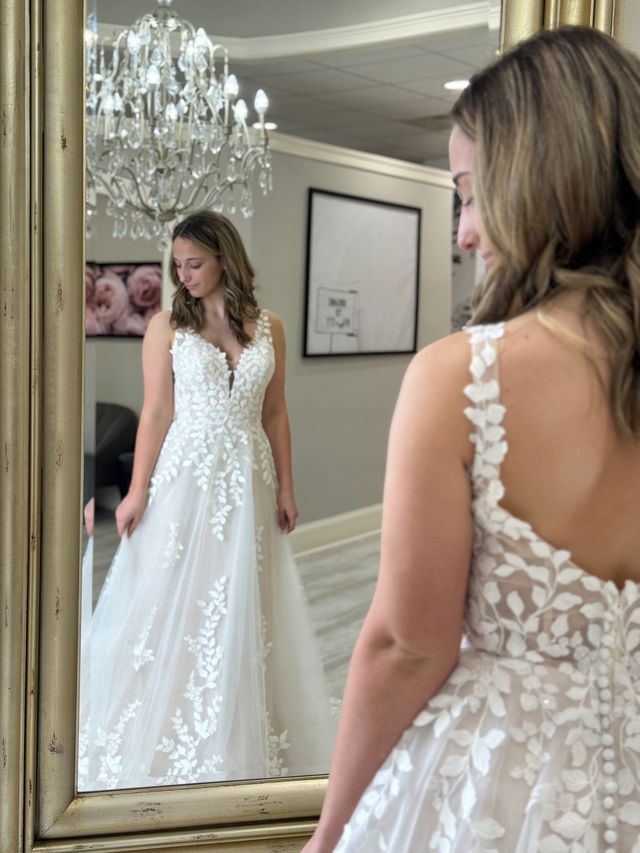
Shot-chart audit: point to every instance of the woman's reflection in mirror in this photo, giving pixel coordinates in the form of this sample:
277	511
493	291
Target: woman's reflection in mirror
200	664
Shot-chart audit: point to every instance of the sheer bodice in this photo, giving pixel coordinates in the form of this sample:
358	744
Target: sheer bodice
533	743
217	427
205	392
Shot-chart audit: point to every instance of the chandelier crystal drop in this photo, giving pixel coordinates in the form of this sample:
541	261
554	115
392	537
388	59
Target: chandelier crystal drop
166	131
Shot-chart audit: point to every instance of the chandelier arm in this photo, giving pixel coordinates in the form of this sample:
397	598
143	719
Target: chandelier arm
251	158
209	196
116	199
134	180
220	47
120	39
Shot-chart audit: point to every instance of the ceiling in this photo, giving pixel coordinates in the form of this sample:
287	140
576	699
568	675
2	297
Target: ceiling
363	75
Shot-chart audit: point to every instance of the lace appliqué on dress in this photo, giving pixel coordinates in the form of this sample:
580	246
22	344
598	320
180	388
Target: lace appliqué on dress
533	743
203	696
214	426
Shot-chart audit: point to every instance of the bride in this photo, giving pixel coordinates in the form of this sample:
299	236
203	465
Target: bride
199	663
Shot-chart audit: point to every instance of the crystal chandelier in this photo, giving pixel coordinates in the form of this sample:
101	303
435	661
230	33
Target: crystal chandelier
166	132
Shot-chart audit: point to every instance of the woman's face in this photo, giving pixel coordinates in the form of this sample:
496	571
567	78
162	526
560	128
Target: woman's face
462	158
198	270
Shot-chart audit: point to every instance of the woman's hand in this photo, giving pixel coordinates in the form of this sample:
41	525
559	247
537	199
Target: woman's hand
129	512
316	845
89	516
287	510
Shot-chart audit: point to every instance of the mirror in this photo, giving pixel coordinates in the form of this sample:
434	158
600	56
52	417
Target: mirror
41	499
202	660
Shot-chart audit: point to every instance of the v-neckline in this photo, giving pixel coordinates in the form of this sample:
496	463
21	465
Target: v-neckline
231	369
224	353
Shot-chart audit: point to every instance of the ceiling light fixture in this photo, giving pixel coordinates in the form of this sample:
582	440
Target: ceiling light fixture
166	131
456	85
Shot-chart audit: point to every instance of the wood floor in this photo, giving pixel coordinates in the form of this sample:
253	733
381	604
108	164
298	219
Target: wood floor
338	583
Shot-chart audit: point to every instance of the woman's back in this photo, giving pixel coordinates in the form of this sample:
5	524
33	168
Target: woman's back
568	471
530	744
526	738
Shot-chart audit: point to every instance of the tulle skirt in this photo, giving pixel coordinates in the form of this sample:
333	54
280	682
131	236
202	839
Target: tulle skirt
200	663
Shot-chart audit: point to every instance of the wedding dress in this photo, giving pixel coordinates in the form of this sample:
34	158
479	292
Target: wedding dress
533	743
200	663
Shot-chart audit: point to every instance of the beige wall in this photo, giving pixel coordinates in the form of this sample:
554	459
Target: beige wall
631	25
340	408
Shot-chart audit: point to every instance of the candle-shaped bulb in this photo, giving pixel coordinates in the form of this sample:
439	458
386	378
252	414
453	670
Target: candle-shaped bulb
231	87
240	111
261	102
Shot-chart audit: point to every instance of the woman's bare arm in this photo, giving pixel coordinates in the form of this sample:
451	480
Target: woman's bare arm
275	421
156	415
411	636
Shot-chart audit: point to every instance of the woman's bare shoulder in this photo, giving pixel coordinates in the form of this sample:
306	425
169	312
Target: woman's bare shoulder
160	328
433	393
533	345
443	364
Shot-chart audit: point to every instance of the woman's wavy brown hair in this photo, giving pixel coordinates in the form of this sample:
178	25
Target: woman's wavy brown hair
556	122
215	234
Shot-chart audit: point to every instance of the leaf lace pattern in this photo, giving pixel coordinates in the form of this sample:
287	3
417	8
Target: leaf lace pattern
533	743
187	670
184	749
217	418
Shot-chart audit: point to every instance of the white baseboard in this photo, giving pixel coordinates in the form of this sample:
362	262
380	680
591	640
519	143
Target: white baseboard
335	529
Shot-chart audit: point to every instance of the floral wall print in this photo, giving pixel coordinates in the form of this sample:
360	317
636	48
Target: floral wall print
121	298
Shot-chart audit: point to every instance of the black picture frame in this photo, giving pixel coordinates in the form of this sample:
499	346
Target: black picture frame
362	276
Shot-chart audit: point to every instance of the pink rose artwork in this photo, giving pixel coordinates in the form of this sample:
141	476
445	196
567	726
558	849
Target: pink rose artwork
111	298
129	324
121	298
121	270
144	285
90	275
94	326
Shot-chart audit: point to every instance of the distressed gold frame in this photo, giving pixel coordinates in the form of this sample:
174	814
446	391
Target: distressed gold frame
41	361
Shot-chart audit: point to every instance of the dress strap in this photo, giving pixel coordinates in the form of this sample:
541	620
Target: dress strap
486	411
263	326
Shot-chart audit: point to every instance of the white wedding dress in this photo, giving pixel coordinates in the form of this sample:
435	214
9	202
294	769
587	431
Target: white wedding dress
200	663
533	743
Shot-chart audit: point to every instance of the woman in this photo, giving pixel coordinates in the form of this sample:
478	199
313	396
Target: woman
512	497
200	664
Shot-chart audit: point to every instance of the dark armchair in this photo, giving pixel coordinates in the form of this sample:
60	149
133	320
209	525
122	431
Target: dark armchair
115	439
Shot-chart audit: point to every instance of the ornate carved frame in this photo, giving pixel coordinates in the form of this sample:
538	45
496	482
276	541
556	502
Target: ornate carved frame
41	370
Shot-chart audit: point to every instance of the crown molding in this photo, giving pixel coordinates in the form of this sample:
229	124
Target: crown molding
373	33
282	143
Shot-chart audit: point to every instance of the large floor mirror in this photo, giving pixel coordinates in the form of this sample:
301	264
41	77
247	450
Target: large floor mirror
230	744
386	99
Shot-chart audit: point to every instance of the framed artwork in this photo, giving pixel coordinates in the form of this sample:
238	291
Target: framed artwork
362	276
121	298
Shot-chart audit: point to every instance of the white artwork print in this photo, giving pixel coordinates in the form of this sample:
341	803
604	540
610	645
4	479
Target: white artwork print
337	312
362	276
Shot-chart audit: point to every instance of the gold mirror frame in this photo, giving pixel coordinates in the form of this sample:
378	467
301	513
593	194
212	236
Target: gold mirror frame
41	370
